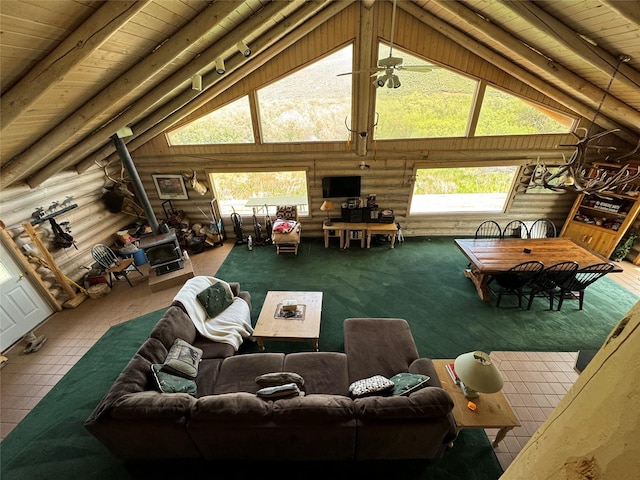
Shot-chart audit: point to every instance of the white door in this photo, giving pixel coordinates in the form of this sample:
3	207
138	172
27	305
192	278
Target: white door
21	306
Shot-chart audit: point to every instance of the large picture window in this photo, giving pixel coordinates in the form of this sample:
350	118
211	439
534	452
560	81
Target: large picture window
241	192
468	189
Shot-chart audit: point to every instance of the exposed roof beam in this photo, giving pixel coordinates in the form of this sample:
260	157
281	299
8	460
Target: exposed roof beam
592	54
43	150
178	108
612	107
144	103
625	8
80	44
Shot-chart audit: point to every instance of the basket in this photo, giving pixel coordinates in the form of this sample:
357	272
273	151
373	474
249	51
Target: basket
98	291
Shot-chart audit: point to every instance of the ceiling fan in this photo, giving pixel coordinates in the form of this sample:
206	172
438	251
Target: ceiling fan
390	64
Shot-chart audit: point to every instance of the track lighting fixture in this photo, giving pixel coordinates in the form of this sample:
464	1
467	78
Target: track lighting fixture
243	48
196	83
220	66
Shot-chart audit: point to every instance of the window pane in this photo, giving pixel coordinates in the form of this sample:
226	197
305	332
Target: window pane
473	189
505	114
311	104
229	124
233	191
432	104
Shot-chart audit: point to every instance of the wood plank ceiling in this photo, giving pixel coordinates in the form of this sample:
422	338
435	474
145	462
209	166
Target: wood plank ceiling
73	72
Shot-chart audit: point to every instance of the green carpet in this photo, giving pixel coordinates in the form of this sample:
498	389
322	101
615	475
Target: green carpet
420	280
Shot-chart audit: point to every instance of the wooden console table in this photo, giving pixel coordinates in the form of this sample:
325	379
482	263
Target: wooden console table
342	230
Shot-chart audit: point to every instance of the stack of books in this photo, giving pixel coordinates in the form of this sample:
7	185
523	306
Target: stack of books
452	373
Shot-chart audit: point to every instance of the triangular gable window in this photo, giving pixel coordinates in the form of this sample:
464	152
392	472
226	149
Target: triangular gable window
228	124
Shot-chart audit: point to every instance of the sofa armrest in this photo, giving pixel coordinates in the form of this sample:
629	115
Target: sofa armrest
150	404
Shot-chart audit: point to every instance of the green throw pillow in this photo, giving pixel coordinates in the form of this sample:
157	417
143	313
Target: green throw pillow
214	299
168	383
406	383
183	359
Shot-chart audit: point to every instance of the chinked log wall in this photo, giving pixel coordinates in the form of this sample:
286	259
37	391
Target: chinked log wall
393	163
90	223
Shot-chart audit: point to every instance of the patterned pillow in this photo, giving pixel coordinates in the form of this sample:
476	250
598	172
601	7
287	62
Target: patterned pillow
214	299
279	378
406	383
168	383
183	359
370	386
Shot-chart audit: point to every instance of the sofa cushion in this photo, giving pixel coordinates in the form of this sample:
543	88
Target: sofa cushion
215	298
378	346
313	408
233	408
175	323
377	384
430	402
212	349
146	405
323	372
238	374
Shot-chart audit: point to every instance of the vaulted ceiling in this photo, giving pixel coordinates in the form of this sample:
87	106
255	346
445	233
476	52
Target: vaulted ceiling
74	72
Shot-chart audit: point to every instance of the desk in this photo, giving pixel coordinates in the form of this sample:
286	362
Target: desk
496	255
343	231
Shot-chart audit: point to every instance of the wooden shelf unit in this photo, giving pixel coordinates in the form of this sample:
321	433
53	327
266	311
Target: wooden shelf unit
600	221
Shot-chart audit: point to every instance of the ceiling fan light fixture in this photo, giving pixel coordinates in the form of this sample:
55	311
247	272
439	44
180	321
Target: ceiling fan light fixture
394	81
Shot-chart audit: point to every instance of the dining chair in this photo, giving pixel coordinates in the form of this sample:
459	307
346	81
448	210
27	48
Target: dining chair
513	281
543	228
515	229
488	229
573	288
549	279
113	265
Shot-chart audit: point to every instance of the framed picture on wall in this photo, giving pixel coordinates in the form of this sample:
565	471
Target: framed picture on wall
170	187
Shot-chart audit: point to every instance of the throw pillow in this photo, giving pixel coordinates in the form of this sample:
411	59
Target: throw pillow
168	383
406	383
370	386
183	359
279	378
214	299
280	391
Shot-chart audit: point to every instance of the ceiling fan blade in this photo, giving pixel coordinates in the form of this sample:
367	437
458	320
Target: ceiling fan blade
417	68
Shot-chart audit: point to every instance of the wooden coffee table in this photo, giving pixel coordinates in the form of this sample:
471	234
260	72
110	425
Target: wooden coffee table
492	409
303	327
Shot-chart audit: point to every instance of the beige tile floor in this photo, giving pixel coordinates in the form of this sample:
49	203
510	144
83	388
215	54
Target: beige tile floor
534	382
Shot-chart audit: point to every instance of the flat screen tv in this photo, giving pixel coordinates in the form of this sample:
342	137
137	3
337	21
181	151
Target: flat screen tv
334	187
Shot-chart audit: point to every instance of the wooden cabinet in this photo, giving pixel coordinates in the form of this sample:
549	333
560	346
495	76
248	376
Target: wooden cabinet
600	221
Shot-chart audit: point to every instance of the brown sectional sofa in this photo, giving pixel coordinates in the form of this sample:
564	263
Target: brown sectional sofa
227	420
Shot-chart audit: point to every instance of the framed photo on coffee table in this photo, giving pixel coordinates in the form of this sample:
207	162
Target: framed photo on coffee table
170	187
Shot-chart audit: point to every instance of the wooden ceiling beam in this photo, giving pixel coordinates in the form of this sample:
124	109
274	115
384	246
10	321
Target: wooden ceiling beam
625	9
79	45
594	55
612	108
307	19
177	80
39	153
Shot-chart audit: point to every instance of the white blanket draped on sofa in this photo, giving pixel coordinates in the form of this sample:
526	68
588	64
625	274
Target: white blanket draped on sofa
231	326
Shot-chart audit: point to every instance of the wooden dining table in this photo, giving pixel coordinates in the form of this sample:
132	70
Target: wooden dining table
489	256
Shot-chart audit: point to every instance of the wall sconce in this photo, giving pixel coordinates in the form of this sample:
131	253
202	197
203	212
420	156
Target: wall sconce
243	48
196	83
220	66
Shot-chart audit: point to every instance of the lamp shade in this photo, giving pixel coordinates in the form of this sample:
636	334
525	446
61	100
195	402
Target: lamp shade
327	206
478	372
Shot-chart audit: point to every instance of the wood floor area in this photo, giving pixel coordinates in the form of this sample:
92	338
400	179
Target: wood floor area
26	378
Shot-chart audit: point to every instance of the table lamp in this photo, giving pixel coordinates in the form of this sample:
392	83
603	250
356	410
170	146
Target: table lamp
327	206
477	374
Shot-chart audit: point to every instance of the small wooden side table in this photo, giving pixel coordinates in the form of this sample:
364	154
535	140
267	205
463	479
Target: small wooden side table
492	409
333	230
